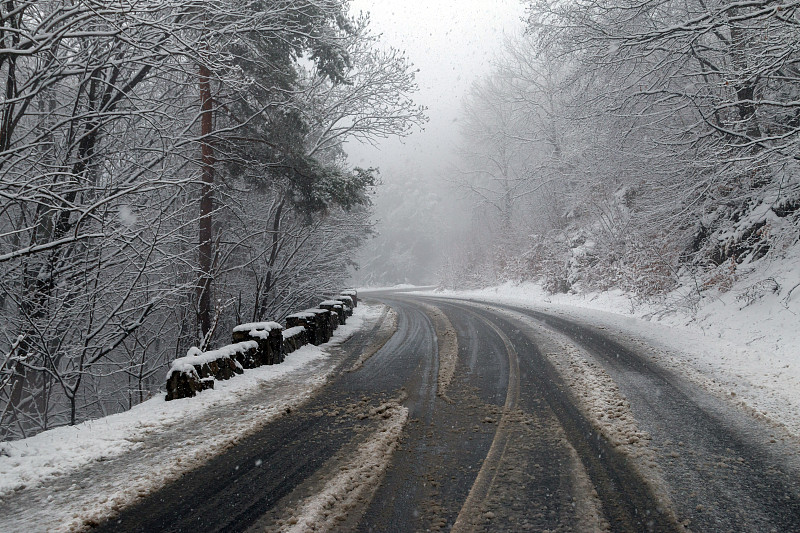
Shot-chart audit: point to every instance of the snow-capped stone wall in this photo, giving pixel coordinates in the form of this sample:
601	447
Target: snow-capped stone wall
256	344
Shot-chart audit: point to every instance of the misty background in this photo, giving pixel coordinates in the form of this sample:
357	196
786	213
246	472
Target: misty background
419	210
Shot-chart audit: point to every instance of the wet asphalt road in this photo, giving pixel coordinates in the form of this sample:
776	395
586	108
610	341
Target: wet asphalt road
510	447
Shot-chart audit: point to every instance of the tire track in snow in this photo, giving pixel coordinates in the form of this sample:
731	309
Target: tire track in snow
448	349
720	472
486	475
628	501
387	329
356	477
600	398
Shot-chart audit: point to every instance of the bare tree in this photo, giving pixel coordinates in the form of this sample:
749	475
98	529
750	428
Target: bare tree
103	147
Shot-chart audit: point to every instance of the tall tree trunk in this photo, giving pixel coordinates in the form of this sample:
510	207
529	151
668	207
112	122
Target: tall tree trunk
746	86
269	282
206	203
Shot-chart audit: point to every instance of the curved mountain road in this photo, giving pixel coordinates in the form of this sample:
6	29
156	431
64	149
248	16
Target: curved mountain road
476	417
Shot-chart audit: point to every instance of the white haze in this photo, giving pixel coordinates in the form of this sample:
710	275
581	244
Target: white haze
452	43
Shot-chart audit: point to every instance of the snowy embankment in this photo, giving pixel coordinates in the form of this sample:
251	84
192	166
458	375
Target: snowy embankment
155	441
743	343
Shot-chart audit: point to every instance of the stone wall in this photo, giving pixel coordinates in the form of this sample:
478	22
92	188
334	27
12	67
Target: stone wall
256	344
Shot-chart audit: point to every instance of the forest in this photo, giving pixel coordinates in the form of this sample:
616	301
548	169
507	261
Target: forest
640	146
169	168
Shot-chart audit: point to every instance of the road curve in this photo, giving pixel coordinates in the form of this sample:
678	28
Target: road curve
507	420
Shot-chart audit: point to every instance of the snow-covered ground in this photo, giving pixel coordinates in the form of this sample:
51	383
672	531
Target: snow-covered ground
152	443
743	343
397	287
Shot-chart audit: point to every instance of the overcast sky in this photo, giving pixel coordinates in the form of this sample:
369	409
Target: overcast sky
452	42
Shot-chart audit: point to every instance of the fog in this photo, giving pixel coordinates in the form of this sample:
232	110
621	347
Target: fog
580	151
452	43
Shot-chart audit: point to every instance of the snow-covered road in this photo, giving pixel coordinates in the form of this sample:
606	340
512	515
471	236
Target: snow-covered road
747	354
448	413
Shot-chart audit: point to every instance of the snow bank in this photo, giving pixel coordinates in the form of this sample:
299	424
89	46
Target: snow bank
398	287
743	344
60	450
27	463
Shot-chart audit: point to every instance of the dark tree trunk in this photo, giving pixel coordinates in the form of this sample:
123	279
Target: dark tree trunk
273	255
206	203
